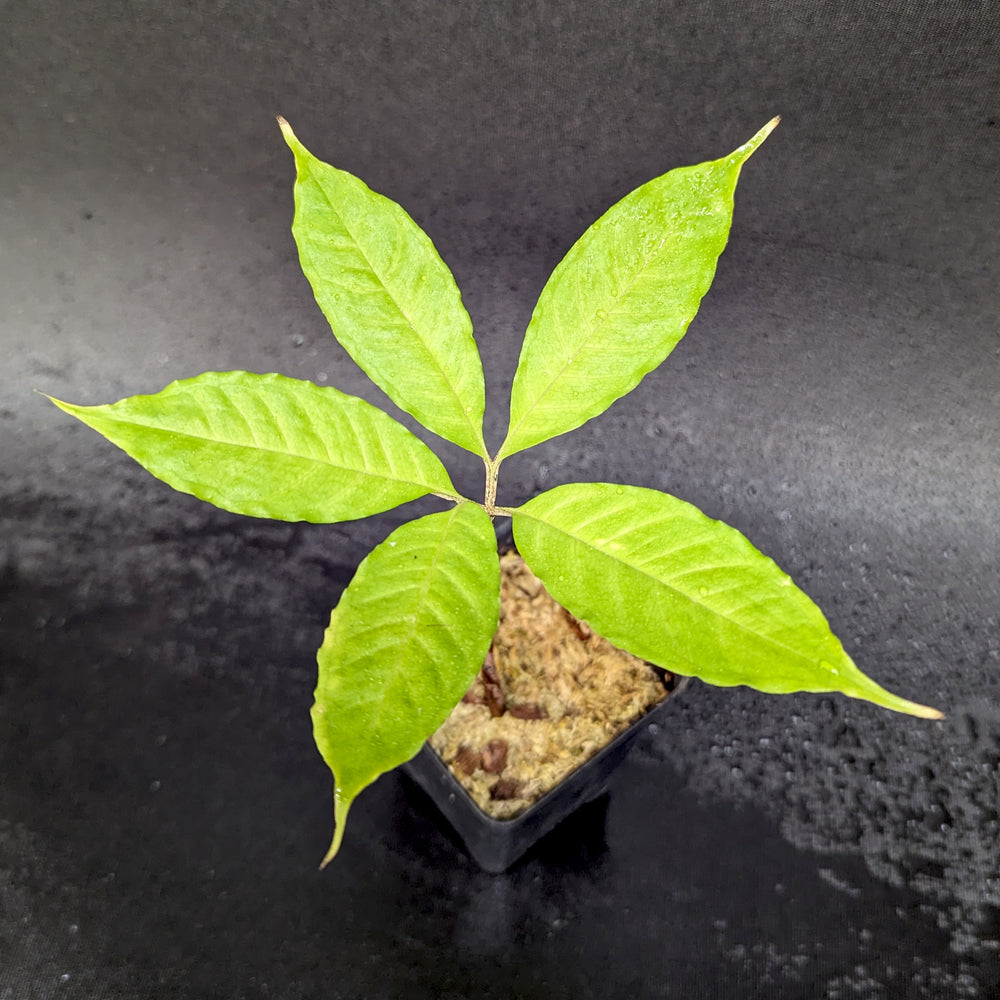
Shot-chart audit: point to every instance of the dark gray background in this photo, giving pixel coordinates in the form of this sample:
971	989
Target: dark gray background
162	809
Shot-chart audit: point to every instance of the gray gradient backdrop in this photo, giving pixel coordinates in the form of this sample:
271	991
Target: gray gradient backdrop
161	806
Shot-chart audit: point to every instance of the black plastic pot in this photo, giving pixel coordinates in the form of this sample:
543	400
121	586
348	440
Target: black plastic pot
496	844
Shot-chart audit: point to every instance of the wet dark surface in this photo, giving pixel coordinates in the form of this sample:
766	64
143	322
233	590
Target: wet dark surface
164	811
162	808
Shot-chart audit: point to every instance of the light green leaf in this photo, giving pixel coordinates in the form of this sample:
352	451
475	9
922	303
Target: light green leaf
390	299
622	298
655	576
404	644
271	446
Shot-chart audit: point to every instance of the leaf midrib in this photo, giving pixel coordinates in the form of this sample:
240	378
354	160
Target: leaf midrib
742	628
271	451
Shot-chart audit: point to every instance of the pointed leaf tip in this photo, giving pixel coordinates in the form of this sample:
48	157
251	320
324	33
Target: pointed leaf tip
859	685
290	137
749	147
333	849
905	706
341	807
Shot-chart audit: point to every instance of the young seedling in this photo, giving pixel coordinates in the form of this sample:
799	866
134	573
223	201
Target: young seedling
649	572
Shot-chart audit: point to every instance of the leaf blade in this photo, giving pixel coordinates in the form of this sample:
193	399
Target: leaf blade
428	599
390	299
654	575
271	446
622	298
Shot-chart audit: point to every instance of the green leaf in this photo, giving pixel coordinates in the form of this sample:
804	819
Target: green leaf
655	576
404	644
622	298
390	299
271	446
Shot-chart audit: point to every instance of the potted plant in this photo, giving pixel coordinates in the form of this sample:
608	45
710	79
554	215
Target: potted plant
645	570
553	711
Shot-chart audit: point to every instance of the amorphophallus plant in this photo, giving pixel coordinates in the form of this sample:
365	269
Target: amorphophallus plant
648	571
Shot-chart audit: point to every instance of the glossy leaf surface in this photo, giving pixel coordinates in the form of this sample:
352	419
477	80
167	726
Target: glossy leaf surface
655	576
403	645
271	446
390	299
622	298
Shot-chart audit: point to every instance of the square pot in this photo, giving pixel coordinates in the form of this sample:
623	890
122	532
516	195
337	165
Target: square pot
496	844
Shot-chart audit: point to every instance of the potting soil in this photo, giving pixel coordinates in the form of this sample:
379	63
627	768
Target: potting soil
551	694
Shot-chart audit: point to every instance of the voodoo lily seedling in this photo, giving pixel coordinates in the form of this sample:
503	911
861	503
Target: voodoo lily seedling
646	570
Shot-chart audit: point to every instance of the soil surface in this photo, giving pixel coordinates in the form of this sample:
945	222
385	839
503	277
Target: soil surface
551	694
